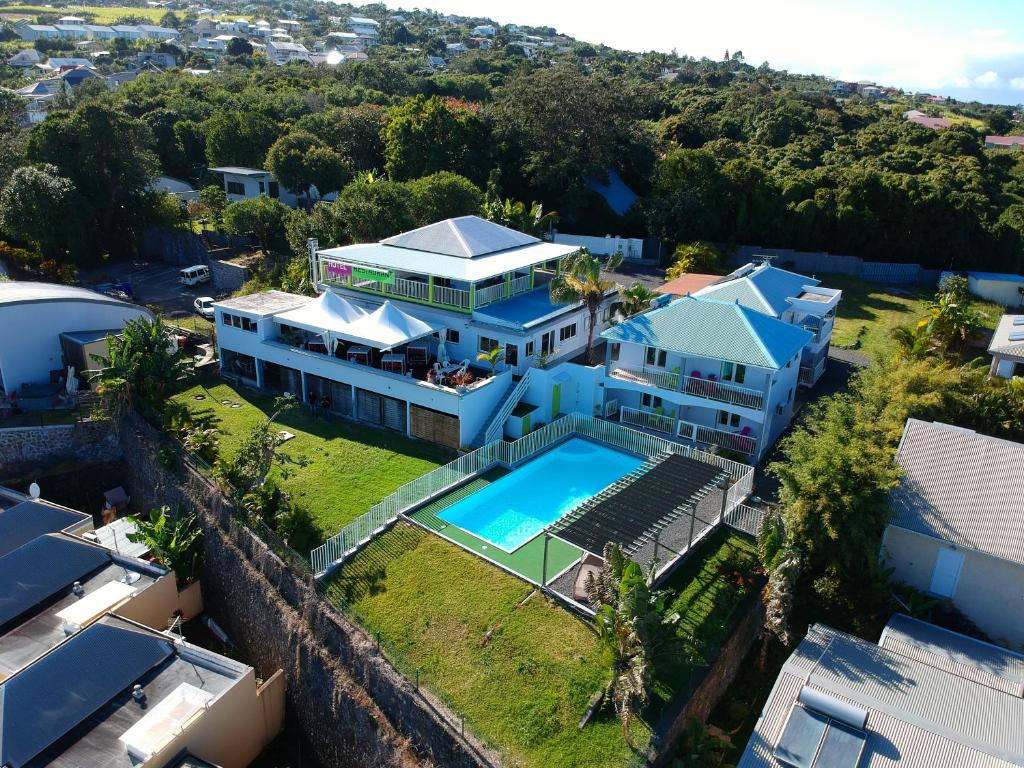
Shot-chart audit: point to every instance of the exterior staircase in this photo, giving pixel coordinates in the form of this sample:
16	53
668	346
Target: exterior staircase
494	425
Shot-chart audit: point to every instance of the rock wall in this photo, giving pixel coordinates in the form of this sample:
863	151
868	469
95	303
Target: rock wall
24	449
227	276
354	708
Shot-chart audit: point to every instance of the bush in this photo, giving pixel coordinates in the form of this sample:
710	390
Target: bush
694	257
298	528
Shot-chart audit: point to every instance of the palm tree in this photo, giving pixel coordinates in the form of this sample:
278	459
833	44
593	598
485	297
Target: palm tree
493	357
634	300
515	214
580	281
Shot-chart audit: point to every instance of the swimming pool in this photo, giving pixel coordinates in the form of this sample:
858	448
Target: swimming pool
515	508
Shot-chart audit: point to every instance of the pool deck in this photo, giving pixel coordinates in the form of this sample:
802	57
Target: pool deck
527	561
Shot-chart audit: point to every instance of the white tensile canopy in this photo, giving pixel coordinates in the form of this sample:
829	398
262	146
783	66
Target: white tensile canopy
386	327
330	313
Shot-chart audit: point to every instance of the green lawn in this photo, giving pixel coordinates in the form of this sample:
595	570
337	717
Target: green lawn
350	467
521	669
880	308
104	14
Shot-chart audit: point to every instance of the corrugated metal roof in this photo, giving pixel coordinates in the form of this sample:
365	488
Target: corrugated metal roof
464	236
918	715
716	329
1001	343
763	288
957	654
961	487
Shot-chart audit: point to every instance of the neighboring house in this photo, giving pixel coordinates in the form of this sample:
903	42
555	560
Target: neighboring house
935	123
162	60
619	196
1007	347
484	30
25	59
247	183
1004	142
43	312
687	284
923	697
456	49
998	287
168	185
704	370
870	92
366	347
483	43
83	31
33	32
367	29
345	41
216	44
435	62
58	63
957	527
285	52
792	298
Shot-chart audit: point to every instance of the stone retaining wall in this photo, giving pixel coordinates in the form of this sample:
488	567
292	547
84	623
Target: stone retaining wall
24	448
354	708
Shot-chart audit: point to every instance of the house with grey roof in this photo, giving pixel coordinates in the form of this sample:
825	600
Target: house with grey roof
957	526
922	697
707	371
790	297
1007	347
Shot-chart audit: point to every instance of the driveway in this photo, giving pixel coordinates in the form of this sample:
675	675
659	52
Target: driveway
154	284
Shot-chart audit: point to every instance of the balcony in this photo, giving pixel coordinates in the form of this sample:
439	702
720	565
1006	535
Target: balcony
647	420
809	375
733	441
719	391
426	292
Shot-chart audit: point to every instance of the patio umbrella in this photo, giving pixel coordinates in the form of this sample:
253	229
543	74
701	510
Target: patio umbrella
72	383
442	352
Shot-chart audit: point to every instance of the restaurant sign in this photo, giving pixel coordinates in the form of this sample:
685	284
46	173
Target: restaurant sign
338	270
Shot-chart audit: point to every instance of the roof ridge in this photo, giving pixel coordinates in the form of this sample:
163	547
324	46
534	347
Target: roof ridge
459	236
754	331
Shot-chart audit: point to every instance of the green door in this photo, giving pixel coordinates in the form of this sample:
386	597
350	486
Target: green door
556	400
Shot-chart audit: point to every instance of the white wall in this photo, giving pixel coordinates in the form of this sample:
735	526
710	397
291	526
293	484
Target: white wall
30	335
631	247
1003	292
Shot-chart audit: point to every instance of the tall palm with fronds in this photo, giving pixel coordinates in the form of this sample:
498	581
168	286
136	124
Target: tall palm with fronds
580	280
143	365
633	300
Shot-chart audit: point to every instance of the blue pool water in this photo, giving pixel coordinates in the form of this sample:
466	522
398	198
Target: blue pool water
515	508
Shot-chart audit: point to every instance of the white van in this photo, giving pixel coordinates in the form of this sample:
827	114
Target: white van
194	275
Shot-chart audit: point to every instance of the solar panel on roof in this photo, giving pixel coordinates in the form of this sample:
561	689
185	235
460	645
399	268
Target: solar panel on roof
39	569
1018	320
1016	336
29	519
46	700
801	738
841	747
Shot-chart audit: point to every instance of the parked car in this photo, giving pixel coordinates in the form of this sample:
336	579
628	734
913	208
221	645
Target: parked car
194	275
204	306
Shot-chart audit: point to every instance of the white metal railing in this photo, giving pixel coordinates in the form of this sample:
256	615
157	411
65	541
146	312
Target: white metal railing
451	297
611	408
701	433
489	295
654	377
442	479
495	427
520	285
413	289
808	375
647	420
746	519
723	392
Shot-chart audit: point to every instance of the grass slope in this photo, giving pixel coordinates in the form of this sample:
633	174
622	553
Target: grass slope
104	14
880	309
351	467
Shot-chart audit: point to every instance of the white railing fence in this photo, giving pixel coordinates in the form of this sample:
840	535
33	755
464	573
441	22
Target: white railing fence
452	297
489	295
655	377
646	419
734	441
413	289
808	376
723	393
520	285
361	530
747	519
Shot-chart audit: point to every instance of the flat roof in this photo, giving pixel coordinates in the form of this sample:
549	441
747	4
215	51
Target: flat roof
690	283
523	311
264	303
1001	342
237	169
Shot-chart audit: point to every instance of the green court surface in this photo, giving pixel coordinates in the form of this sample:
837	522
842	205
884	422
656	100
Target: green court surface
527	561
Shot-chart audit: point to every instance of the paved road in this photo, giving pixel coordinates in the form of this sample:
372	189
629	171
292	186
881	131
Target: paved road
154	284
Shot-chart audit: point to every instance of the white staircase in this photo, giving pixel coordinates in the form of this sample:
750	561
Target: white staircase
494	426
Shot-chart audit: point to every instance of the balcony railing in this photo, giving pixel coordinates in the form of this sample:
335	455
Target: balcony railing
489	295
734	441
647	420
720	391
809	375
520	285
418	290
413	289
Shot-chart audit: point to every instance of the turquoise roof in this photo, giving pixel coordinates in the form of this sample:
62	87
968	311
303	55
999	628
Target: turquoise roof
764	288
722	330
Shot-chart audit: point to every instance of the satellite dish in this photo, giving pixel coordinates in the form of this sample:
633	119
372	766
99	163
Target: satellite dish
34	491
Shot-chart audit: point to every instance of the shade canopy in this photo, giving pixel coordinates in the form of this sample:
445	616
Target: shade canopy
386	327
330	313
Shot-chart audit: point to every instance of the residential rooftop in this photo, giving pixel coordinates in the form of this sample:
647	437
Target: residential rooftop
28	519
921	698
742	335
24	292
1008	338
688	284
760	287
265	303
961	487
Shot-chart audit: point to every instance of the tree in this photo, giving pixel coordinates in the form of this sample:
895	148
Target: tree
170	20
262	216
492	357
579	280
515	214
633	300
429	135
300	160
354	132
444	195
245	471
32	200
701	258
371	209
108	157
238	138
174	539
239	46
215	199
142	366
632	625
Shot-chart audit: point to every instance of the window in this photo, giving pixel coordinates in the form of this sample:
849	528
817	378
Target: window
655	357
511	354
451	336
263	188
606	314
567	332
274	190
547	343
650	401
486	344
529	349
236	188
729	419
615	351
237	321
734	372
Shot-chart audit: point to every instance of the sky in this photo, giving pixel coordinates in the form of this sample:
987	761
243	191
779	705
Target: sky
967	49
